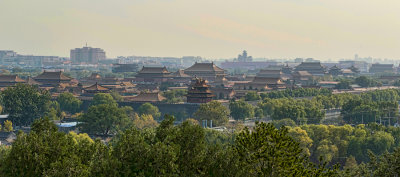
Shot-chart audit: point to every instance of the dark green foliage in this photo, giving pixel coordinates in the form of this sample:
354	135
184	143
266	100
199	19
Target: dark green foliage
300	92
148	108
396	83
165	85
175	96
69	103
365	81
25	103
343	84
103	98
182	150
240	110
252	96
299	110
47	152
267	151
104	119
54	111
170	151
284	122
370	106
116	96
214	111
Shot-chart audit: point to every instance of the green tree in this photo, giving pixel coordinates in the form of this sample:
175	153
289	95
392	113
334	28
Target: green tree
165	85
240	110
385	165
284	122
105	119
173	151
258	112
144	121
25	103
149	109
267	151
301	136
103	98
69	103
54	111
46	152
214	111
116	96
396	83
343	84
8	127
252	96
174	96
365	81
295	112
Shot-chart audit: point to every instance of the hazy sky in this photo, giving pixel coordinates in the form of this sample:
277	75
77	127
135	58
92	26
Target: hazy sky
321	29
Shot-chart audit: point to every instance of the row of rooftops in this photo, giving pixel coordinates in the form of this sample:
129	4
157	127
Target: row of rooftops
314	68
197	67
44	76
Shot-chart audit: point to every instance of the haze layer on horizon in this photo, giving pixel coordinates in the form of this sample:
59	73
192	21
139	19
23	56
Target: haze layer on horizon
322	29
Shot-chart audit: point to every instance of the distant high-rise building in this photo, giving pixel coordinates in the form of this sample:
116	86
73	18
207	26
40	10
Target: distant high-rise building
87	55
244	57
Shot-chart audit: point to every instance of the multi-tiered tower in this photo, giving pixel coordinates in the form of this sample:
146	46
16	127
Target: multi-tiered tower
199	92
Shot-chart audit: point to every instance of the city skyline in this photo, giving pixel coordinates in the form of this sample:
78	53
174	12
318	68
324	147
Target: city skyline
211	29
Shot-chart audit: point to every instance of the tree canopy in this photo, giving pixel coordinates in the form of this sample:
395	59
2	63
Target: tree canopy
240	110
69	103
104	119
214	111
103	98
149	109
25	103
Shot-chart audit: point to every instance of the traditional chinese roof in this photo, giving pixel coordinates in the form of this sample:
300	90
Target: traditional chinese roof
148	97
32	81
334	68
270	73
287	69
152	70
375	68
127	84
59	75
347	71
179	73
266	80
220	79
95	76
354	69
327	82
63	85
204	67
11	78
382	65
311	67
302	74
96	87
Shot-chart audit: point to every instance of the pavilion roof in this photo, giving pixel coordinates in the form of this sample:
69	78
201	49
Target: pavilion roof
58	75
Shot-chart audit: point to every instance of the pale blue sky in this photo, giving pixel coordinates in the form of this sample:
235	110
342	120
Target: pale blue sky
321	29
